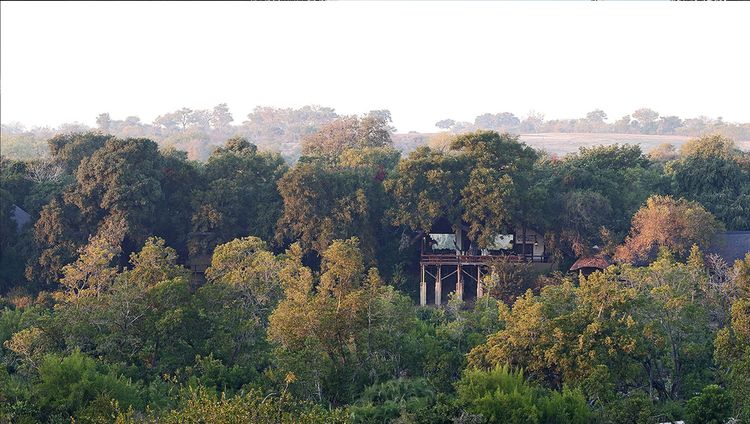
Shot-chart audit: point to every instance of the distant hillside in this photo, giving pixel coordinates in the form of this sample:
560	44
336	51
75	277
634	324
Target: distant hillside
564	143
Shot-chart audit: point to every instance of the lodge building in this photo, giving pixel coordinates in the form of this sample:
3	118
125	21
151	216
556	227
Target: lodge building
453	263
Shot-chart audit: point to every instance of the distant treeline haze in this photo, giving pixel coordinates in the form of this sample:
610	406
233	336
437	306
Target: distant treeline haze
199	132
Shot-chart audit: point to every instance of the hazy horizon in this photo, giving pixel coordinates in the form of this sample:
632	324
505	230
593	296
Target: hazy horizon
424	61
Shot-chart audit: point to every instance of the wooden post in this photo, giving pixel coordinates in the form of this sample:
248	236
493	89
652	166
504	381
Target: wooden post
459	283
423	289
438	286
480	289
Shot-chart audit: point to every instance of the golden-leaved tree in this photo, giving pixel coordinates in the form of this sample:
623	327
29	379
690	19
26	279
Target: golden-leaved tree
665	222
341	331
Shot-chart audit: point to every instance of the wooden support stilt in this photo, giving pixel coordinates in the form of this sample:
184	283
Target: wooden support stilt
459	283
423	289
438	286
480	289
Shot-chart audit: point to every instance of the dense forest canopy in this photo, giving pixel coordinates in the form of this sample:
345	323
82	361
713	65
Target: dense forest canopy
306	309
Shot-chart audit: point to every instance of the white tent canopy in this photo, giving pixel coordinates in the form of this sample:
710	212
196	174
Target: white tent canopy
444	241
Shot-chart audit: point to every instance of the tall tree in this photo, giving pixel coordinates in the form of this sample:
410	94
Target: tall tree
341	332
426	186
349	132
221	118
121	177
498	183
240	197
94	270
710	171
322	203
72	149
666	222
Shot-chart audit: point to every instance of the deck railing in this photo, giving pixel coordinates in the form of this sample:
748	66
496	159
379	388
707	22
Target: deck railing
447	259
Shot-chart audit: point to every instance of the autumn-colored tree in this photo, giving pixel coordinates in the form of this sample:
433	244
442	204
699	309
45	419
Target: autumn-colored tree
663	153
663	221
569	335
244	287
733	342
710	145
349	132
93	272
339	333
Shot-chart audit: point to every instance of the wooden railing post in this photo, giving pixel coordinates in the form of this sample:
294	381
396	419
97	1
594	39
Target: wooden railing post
423	289
480	289
438	286
459	282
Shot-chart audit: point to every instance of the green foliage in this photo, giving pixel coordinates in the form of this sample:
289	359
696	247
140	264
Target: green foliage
387	401
322	204
10	271
598	187
712	406
240	195
503	396
57	236
732	344
484	185
426	186
13	320
142	316
341	332
92	273
72	149
244	287
123	176
202	406
617	329
636	407
268	333
710	172
67	384
128	178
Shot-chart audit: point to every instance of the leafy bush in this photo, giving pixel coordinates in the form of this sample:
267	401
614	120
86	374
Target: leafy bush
712	406
68	384
204	406
392	399
504	396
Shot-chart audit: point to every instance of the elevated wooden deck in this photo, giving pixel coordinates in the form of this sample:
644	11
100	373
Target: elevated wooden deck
464	268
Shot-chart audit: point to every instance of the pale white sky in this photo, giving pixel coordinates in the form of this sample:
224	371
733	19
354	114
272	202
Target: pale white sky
64	62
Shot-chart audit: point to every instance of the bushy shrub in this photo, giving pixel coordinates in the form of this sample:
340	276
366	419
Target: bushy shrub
502	395
712	406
